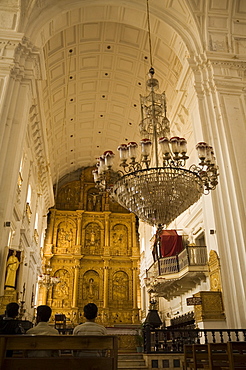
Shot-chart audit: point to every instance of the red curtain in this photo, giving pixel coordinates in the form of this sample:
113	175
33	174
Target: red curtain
171	243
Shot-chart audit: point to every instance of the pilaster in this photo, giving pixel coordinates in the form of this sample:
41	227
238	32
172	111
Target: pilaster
220	86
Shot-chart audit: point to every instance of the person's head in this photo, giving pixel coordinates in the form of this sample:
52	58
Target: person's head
12	310
90	311
43	313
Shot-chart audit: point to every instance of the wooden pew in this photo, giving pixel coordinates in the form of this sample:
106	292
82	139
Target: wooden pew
218	356
237	355
188	357
200	356
196	356
64	345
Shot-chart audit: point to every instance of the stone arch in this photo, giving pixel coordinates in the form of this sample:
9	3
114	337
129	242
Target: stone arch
42	25
90	285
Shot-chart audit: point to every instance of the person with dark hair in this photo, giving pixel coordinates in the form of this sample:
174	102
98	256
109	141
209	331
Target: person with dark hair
42	327
9	324
12	310
90	327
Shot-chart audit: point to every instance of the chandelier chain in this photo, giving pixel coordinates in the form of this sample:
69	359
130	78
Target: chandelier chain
150	44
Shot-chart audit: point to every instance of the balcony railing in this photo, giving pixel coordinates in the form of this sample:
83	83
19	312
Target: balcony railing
190	256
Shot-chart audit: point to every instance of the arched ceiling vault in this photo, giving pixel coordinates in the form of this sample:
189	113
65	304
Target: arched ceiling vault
96	61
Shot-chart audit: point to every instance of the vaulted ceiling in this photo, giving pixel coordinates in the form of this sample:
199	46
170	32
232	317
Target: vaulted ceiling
96	62
95	74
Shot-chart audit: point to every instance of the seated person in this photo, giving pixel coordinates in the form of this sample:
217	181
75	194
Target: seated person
90	327
9	324
43	328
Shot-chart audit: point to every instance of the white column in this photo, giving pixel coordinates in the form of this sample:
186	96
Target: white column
221	92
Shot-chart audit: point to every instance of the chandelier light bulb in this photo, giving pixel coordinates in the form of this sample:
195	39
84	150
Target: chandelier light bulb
146	146
109	158
132	149
123	150
164	143
209	154
202	150
175	144
183	146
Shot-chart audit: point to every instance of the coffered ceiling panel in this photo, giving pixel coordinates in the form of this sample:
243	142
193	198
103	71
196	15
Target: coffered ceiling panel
95	74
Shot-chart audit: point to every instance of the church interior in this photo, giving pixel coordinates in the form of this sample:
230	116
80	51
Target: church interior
71	76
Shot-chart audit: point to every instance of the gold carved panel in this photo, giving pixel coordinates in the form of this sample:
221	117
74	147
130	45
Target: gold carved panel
89	245
211	308
92	239
68	196
120	287
91	286
60	294
94	200
214	271
66	236
119	240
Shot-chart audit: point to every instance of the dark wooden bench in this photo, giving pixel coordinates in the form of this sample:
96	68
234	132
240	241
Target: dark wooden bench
218	356
237	355
188	357
68	349
215	356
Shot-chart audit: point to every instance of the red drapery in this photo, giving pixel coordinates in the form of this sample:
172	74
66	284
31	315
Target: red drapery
171	243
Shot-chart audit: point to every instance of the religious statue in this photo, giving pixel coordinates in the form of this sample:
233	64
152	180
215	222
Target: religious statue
91	285
12	267
94	202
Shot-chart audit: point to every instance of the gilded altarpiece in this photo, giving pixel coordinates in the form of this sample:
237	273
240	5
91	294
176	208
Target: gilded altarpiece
92	246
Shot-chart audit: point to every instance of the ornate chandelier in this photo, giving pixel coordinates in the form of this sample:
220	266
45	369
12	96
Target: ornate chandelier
48	281
157	187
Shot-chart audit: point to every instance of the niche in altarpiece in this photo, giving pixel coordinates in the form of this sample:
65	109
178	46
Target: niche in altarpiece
94	200
93	239
120	288
119	240
91	286
66	235
60	294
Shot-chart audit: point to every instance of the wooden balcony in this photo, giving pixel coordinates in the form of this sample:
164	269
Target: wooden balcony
170	277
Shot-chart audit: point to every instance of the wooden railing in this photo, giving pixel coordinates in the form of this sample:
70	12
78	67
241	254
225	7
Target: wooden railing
171	341
190	256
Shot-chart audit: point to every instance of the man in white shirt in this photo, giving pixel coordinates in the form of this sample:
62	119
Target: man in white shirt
90	327
43	328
